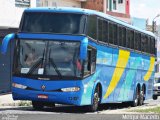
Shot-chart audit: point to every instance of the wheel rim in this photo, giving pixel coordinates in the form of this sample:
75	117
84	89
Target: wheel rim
96	100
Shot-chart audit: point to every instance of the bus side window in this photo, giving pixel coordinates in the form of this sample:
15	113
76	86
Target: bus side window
144	43
120	36
90	63
100	28
92	27
124	36
137	41
115	32
105	31
153	47
111	30
128	40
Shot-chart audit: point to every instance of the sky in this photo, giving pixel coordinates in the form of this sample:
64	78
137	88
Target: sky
147	9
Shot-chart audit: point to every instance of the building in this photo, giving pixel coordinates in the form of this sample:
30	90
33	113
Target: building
118	8
10	16
59	3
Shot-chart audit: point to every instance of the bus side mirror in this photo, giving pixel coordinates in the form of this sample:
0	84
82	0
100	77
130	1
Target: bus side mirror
83	49
6	41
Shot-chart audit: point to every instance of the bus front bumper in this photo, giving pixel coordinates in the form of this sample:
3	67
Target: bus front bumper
72	98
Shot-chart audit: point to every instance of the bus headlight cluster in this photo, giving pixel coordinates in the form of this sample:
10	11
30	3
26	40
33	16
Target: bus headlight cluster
19	86
71	89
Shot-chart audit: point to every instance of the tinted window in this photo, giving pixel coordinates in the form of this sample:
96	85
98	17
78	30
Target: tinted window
120	31
92	27
153	46
148	45
53	23
144	43
100	28
111	30
124	36
137	43
115	34
105	31
130	39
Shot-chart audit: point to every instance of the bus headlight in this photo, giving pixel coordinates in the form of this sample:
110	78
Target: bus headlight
71	89
19	86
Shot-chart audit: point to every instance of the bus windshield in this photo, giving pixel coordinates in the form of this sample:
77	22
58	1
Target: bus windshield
59	23
48	58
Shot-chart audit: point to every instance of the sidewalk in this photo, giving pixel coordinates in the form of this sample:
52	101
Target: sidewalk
7	100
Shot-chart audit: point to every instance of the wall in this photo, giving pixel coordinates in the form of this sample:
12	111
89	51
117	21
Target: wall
59	3
9	14
93	4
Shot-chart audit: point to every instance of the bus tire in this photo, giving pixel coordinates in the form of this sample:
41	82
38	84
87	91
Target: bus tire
141	97
37	105
134	103
155	97
95	100
141	100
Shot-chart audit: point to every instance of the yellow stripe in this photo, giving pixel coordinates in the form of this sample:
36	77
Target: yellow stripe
151	68
120	67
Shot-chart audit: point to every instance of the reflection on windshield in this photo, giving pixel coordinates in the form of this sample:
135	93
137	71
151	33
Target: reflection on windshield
53	23
50	58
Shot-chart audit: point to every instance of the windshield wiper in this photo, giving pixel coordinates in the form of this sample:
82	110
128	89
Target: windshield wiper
36	64
55	67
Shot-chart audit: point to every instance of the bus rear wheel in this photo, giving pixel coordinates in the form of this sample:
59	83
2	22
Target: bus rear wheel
37	105
134	103
141	97
95	100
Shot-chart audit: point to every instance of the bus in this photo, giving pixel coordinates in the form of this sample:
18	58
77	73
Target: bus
80	57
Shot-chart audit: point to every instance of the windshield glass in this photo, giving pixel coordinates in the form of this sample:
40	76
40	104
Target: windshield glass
48	58
66	23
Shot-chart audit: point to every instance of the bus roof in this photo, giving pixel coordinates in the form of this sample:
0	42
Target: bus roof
87	12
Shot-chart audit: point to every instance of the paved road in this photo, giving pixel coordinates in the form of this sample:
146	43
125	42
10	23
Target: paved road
61	112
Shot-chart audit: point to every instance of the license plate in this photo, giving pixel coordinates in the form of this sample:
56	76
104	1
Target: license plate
43	96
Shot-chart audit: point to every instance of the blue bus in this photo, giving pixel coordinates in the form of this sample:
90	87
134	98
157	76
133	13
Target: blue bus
80	57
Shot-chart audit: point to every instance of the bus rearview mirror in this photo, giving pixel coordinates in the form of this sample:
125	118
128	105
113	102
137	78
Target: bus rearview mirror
6	41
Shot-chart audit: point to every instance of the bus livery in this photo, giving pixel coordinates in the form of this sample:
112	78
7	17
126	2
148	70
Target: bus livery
80	57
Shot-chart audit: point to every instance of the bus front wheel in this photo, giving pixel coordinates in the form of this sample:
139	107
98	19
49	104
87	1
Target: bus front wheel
95	100
37	105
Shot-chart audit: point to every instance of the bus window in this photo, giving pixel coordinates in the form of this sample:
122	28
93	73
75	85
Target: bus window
100	33
124	37
152	45
90	63
68	23
115	36
105	31
111	30
92	27
137	41
120	36
148	44
130	39
144	43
